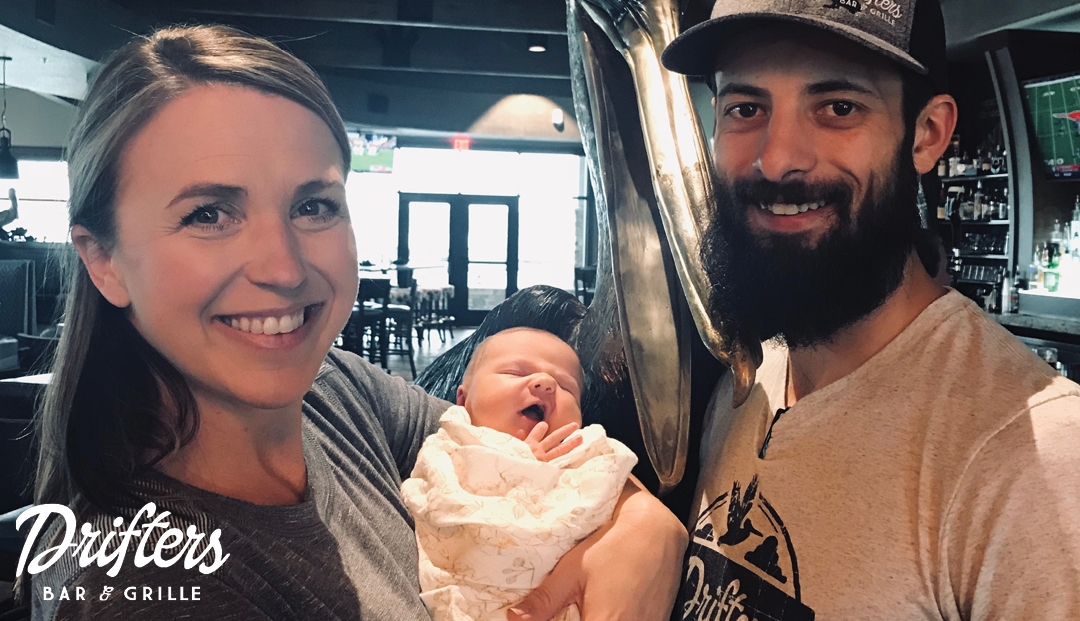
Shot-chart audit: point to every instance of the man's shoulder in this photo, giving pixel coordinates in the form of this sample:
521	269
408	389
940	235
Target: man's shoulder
978	358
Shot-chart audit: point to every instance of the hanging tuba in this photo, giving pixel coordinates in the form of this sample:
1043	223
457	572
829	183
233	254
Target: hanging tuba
649	162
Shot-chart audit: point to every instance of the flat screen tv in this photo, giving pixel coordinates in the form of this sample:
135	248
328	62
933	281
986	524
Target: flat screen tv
372	152
1054	107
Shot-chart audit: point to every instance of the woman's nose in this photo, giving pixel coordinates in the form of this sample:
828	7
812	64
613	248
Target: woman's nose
277	259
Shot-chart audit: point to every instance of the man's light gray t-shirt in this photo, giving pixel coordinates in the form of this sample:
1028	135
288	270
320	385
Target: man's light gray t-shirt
347	552
939	480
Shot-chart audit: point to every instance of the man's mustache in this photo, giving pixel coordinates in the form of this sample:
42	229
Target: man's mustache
746	192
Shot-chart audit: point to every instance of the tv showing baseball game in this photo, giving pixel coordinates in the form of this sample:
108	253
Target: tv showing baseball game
1054	108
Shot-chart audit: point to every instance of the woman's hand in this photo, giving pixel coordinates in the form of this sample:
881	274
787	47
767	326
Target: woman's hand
629	569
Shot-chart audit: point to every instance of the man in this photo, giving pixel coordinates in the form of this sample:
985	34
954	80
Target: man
901	455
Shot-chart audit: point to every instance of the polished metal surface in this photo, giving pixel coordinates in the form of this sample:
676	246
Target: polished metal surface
655	339
647	263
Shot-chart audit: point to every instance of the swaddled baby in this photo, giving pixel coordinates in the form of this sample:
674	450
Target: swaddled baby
509	484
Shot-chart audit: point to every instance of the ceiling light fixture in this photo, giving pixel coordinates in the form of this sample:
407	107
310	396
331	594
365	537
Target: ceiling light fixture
537	42
9	166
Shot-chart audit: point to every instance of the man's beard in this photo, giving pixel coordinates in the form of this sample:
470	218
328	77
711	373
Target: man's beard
776	286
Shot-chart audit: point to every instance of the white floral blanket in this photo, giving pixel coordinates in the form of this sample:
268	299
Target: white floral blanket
492	520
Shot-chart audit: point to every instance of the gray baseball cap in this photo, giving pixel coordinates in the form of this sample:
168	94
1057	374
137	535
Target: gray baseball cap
909	32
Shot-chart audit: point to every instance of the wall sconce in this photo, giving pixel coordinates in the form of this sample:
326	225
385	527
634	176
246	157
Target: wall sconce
9	166
537	42
557	119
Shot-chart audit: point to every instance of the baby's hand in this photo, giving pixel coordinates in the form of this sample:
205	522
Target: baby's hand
546	449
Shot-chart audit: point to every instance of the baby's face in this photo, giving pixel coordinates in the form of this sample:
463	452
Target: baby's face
521	378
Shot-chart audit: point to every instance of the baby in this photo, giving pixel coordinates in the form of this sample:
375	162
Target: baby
497	496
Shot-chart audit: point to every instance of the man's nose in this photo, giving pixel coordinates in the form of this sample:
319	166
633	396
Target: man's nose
786	150
277	258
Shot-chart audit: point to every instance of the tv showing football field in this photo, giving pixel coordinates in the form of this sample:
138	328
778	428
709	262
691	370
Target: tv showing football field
1054	106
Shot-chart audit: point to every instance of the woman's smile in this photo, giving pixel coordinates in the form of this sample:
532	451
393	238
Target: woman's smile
270	329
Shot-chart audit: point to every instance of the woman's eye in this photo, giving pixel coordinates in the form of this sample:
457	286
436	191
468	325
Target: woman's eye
206	215
318	208
744	110
841	108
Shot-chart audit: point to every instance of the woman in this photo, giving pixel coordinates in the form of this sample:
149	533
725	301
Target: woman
217	266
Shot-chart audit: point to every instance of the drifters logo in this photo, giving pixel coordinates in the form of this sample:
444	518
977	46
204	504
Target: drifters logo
741	565
154	540
889	11
853	6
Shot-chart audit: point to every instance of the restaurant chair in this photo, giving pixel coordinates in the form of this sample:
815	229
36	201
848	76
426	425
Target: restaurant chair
374	298
424	318
400	322
585	283
36	353
443	319
364	332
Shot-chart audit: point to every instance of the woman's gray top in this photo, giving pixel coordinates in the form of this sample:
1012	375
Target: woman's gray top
346	552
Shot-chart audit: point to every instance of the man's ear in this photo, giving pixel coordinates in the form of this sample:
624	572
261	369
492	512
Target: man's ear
461	394
101	266
933	131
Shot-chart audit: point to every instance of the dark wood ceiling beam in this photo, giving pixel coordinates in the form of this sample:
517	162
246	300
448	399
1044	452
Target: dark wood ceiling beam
448	72
367	46
442	52
535	16
501	85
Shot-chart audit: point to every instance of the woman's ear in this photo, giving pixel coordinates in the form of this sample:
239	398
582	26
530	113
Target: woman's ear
461	394
101	266
933	131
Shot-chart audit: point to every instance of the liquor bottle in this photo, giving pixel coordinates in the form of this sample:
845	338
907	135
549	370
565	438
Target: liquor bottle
964	205
942	168
1074	230
1014	295
977	203
1053	248
984	162
1035	269
942	213
967	165
997	159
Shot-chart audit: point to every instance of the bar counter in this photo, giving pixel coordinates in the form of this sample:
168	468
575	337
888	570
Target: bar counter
1056	325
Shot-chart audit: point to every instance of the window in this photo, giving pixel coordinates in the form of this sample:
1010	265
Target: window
547	183
42	192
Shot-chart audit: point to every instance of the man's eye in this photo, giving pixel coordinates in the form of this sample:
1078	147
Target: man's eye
744	110
841	108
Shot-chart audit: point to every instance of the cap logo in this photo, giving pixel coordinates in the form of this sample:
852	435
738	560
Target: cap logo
853	6
887	9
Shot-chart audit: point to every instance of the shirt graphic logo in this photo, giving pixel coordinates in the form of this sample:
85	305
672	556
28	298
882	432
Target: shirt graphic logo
748	571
